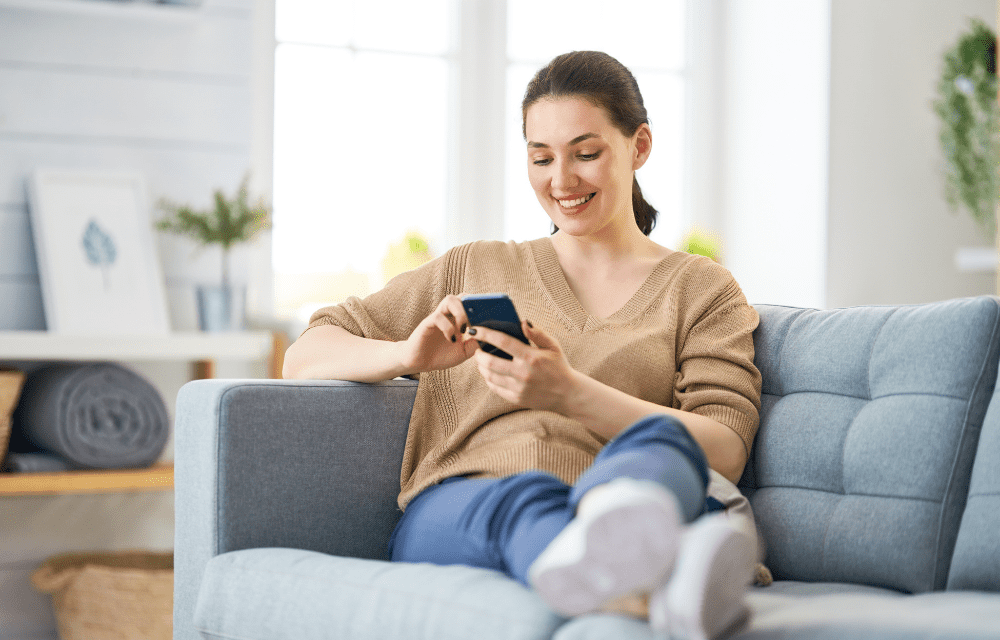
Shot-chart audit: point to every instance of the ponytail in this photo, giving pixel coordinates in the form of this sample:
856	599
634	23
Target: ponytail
645	214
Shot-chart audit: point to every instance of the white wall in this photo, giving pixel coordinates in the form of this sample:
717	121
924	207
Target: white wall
819	160
775	91
165	91
892	238
172	92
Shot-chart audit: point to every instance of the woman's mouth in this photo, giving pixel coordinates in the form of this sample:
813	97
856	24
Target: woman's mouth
569	204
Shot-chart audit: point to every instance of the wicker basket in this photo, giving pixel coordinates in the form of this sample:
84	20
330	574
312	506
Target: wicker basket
10	391
124	595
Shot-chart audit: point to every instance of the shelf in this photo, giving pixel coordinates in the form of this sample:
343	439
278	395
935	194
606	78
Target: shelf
105	9
155	478
976	259
42	345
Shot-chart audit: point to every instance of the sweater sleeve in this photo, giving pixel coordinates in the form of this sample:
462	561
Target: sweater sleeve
393	312
716	376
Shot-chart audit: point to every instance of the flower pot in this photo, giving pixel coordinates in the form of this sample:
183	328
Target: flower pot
221	308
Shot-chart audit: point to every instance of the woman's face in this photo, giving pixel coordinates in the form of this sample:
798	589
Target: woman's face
581	166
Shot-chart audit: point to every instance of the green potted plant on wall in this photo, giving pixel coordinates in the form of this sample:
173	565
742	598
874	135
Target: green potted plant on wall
970	126
229	222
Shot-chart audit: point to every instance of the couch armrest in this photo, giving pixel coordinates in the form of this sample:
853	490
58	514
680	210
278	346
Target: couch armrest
304	464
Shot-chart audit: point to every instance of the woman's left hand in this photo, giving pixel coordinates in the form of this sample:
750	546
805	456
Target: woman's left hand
539	376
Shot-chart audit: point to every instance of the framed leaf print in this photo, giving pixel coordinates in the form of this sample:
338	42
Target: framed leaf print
97	262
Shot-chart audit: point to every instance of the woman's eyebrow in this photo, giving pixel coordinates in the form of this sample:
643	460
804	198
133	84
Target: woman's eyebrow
576	140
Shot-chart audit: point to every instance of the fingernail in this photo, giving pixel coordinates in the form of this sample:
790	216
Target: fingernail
530	326
472	331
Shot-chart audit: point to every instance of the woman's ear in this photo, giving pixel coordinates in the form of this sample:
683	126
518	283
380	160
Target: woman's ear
643	144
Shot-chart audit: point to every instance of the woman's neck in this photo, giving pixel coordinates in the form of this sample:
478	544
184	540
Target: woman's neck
608	249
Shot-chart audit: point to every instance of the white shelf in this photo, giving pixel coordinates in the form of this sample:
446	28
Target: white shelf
41	345
144	10
976	259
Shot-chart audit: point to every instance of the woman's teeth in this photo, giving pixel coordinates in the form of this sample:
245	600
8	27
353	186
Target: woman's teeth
575	203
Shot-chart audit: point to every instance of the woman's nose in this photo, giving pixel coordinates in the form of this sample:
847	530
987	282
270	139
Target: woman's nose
565	177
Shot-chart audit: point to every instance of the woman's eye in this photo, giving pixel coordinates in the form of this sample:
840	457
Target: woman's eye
541	162
589	156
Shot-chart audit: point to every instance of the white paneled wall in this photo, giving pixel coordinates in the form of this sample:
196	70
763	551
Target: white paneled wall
163	90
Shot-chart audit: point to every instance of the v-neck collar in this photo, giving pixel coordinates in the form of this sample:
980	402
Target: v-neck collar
553	280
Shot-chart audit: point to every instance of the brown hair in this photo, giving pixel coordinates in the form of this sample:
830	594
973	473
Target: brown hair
606	83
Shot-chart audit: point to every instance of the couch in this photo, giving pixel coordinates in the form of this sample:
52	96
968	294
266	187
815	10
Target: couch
875	480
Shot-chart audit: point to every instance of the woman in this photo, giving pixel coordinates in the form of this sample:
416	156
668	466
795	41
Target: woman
577	466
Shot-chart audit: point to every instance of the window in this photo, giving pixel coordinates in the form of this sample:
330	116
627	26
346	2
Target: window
360	141
367	111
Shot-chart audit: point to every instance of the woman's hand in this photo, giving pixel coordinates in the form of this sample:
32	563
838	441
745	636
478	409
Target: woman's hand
539	376
439	341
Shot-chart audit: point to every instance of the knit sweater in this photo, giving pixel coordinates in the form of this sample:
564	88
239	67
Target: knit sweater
684	340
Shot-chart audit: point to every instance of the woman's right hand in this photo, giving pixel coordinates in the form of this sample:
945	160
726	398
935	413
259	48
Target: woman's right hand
439	341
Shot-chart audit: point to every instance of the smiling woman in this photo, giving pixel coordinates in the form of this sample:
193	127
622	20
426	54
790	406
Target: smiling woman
578	465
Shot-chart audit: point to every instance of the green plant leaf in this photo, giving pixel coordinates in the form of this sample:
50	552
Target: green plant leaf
970	125
230	221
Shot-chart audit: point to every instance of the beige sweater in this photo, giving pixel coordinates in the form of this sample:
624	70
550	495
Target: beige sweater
684	340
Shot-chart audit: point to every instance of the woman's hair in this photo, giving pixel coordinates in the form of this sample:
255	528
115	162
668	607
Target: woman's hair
606	83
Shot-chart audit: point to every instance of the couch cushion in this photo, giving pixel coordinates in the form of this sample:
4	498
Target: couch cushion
869	422
276	594
826	611
976	561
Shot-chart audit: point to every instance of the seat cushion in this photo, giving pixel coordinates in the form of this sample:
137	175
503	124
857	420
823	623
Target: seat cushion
869	424
828	611
291	594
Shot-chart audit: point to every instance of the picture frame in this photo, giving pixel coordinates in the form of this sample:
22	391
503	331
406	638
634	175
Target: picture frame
97	262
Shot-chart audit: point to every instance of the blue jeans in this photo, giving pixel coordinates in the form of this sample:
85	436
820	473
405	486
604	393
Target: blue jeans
505	523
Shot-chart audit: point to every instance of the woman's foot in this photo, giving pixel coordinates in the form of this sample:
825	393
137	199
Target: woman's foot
623	540
705	595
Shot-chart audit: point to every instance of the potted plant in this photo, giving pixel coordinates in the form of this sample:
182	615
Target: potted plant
970	125
229	222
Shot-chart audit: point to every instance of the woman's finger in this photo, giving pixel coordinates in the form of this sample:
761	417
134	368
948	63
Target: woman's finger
451	308
493	364
538	337
501	340
457	311
446	325
503	385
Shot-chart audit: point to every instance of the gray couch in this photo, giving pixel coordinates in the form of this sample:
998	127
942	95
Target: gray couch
875	479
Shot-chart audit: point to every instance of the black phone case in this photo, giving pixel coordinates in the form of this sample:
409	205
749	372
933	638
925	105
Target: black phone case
495	311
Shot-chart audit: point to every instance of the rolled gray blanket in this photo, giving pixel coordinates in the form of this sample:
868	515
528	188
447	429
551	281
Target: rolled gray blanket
34	463
95	415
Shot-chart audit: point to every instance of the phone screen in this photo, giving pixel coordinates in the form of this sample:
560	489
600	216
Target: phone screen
496	311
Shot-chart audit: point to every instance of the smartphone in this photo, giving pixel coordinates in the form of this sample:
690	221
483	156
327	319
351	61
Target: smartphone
496	311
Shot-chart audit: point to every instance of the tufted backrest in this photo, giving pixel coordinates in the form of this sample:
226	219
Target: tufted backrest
869	424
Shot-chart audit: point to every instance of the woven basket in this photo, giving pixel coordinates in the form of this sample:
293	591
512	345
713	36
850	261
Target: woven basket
10	391
124	595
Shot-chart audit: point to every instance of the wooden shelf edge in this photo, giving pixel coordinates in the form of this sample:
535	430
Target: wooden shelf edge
155	478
